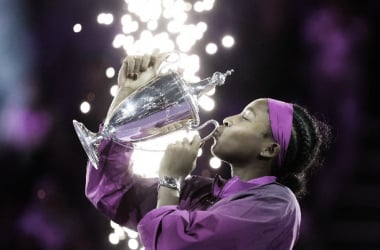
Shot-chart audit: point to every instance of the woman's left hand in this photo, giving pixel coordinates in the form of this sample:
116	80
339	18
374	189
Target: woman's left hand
179	158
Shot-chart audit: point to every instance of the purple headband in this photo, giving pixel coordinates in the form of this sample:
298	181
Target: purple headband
281	121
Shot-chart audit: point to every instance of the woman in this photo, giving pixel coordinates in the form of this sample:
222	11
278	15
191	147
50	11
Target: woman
270	146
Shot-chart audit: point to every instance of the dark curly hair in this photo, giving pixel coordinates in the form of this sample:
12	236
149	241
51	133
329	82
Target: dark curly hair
310	137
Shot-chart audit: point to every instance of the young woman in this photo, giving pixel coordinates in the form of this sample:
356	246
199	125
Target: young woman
270	146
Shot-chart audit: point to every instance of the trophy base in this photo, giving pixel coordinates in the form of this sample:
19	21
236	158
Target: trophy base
88	140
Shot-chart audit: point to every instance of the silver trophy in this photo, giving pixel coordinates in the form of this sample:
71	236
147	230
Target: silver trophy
167	100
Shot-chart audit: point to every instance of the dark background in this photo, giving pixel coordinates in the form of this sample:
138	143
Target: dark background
320	54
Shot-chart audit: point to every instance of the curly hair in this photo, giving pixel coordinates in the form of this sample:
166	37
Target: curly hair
310	137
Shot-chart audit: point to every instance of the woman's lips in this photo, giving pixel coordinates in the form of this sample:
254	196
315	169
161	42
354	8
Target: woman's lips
217	132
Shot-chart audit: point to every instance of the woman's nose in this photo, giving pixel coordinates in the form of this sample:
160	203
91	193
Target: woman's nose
227	122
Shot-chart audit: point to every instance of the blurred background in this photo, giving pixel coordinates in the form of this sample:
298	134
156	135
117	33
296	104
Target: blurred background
59	60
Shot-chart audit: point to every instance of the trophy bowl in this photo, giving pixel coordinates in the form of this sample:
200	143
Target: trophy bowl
167	101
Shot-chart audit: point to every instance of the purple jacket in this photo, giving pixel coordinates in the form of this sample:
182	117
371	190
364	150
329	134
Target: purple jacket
212	214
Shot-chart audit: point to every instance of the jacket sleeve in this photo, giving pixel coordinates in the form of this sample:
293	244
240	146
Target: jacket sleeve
251	222
114	190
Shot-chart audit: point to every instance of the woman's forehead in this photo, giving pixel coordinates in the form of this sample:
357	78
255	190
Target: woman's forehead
258	104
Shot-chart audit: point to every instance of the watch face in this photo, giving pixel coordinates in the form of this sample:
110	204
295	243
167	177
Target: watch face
169	182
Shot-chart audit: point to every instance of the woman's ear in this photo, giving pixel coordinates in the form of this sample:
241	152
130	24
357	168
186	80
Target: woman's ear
270	151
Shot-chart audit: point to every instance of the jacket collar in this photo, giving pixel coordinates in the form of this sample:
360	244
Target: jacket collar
223	188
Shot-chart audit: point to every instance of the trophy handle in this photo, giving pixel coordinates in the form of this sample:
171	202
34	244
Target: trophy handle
214	122
190	127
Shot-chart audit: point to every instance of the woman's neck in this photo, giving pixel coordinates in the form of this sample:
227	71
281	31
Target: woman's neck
248	172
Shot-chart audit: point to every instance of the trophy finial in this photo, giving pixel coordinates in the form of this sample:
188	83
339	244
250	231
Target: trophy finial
218	78
229	72
209	83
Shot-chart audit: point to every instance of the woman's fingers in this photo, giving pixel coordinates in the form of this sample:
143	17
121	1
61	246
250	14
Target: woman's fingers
130	66
180	157
185	141
192	145
134	65
145	61
196	142
158	59
137	68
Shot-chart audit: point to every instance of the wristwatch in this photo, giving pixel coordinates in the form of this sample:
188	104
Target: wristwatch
169	182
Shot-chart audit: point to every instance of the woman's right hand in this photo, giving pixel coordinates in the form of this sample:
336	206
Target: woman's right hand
138	70
179	158
135	72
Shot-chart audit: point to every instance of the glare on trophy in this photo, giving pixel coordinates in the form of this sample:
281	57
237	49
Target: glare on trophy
167	100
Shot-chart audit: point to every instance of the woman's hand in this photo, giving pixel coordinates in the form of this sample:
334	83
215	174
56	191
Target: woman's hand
135	72
138	70
179	158
178	162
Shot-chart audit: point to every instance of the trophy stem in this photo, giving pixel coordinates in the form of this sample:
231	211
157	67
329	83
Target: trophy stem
89	141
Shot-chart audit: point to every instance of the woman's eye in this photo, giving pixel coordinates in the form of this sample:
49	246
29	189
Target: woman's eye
245	116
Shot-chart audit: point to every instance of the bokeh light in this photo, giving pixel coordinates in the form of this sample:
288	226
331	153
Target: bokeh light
105	18
113	90
113	238
133	244
85	107
110	72
211	48
77	28
165	26
228	41
215	162
207	103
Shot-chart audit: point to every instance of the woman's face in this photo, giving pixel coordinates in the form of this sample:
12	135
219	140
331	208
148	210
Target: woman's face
244	135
